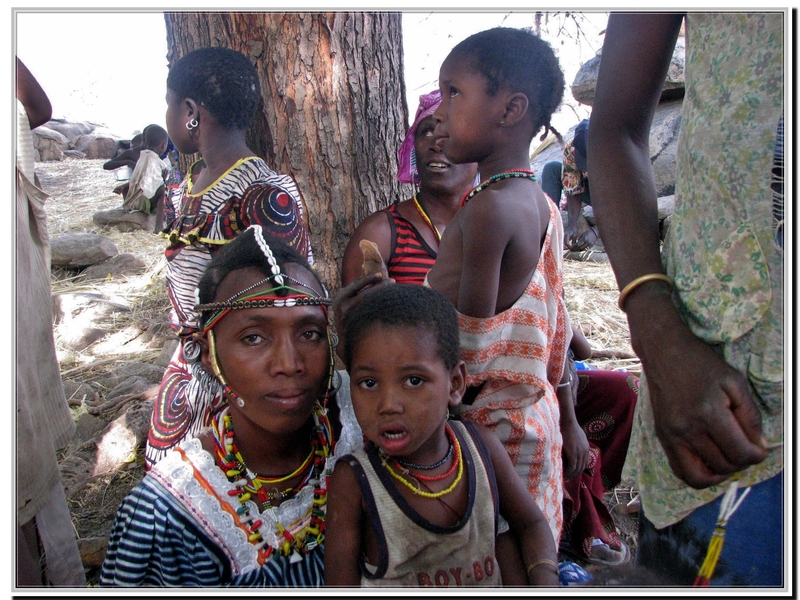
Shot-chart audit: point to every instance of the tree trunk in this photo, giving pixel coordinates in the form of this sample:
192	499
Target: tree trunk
333	111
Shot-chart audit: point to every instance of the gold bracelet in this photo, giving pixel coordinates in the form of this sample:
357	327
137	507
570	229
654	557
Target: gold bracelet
623	295
542	561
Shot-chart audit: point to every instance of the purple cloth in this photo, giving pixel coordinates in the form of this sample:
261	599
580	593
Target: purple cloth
406	157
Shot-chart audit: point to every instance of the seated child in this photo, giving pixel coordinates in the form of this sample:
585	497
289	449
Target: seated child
145	190
420	505
499	260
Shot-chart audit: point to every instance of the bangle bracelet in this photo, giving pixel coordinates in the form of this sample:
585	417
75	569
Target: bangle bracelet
565	383
623	295
542	561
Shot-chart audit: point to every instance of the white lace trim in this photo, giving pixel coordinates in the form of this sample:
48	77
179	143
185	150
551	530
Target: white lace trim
177	475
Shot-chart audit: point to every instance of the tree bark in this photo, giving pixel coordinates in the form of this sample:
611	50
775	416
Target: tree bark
333	111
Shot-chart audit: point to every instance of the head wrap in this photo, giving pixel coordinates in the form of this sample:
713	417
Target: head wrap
406	157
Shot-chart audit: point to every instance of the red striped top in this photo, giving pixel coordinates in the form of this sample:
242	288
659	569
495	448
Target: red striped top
411	257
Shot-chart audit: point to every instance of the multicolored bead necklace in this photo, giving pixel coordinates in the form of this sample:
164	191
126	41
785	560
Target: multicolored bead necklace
417	489
498	177
230	460
427	219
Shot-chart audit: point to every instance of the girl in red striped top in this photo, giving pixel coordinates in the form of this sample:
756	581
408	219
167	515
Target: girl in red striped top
407	232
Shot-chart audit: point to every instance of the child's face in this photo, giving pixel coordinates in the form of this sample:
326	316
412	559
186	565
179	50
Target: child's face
468	114
436	172
401	390
276	359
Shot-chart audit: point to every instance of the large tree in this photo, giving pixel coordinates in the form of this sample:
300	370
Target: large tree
333	111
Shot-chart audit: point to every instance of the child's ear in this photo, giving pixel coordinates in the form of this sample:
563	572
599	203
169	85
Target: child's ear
458	383
516	108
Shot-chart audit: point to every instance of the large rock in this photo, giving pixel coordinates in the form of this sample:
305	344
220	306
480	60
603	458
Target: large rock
70	129
664	134
117	266
585	81
96	146
123	220
49	144
77	250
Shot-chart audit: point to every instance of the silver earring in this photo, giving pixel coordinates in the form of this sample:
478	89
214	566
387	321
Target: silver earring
191	351
240	402
334	340
191	124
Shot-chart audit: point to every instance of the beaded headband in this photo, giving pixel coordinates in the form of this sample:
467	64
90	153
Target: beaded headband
266	298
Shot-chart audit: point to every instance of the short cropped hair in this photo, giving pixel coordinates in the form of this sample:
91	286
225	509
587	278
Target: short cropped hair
155	135
243	252
519	61
405	305
224	81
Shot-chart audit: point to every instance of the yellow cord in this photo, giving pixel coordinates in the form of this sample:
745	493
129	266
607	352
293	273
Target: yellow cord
419	492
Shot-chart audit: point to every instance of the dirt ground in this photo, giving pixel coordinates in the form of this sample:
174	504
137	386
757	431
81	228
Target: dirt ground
79	188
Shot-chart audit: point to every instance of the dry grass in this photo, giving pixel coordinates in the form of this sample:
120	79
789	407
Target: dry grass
78	189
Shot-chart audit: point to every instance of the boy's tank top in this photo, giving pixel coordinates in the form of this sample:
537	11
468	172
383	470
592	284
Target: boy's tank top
416	552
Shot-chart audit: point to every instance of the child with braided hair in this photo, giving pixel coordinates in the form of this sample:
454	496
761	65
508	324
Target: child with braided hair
244	503
212	96
499	260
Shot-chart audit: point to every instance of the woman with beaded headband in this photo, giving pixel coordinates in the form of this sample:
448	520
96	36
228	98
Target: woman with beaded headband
212	95
244	503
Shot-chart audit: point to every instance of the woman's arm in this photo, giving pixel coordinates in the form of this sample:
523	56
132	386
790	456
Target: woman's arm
524	517
343	528
704	415
32	96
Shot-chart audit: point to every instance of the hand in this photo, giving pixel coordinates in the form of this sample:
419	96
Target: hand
580	242
705	418
575	452
570	235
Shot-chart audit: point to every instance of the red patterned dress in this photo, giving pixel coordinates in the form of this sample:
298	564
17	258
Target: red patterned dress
199	224
518	356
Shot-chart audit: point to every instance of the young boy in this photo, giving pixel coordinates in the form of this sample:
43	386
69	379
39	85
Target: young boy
419	505
499	262
145	189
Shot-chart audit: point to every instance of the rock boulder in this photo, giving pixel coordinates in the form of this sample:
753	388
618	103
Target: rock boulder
77	250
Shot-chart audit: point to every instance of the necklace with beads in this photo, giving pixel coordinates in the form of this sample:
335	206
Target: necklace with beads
304	534
427	219
457	462
512	173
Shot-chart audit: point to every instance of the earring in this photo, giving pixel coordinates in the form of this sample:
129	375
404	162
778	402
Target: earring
240	401
191	350
192	124
212	350
502	122
334	340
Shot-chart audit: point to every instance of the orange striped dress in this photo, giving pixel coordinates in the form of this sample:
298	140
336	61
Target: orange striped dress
519	356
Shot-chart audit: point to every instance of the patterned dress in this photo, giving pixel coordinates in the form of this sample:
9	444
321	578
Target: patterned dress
518	355
179	526
199	223
722	250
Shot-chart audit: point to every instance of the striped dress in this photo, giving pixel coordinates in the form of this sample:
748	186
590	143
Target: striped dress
518	356
199	224
411	256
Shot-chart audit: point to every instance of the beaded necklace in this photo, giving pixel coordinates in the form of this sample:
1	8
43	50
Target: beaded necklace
427	219
410	465
416	489
294	542
498	177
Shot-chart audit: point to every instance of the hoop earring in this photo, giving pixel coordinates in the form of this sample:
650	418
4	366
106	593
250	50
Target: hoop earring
191	350
190	125
240	401
212	350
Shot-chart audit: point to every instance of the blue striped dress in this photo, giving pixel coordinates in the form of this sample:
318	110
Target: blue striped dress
178	526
